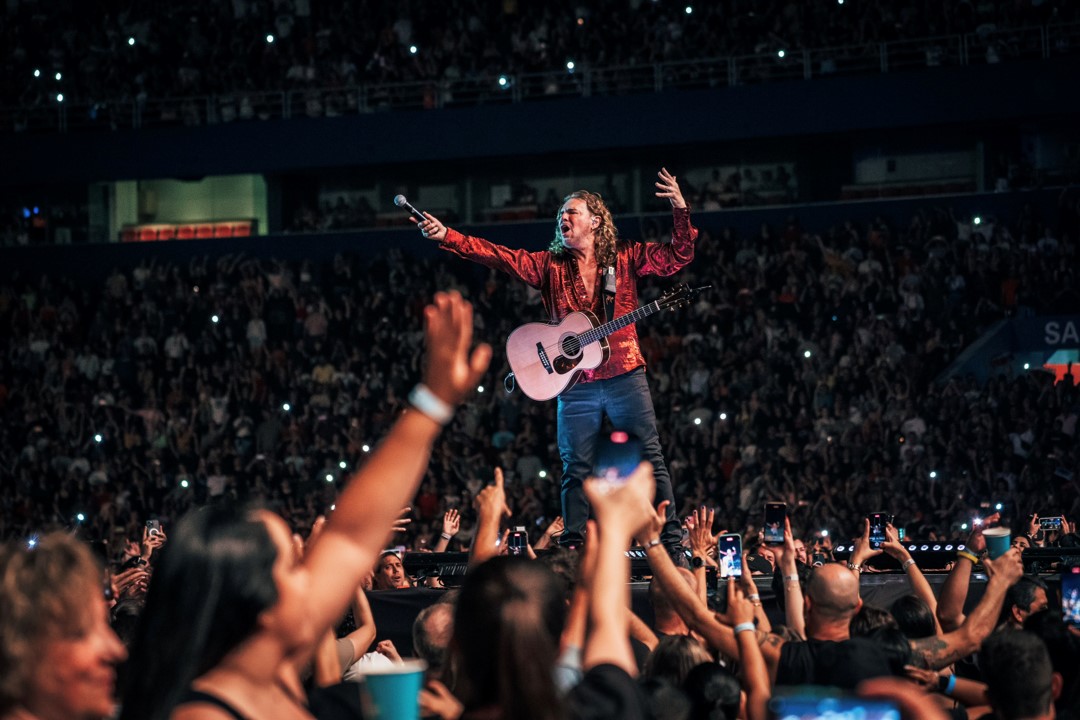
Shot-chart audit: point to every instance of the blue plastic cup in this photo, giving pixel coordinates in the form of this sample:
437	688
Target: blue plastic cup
393	693
998	541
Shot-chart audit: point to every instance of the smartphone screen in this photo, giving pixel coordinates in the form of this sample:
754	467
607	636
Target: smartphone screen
517	540
901	534
878	521
618	453
1050	523
1070	595
819	705
775	515
729	550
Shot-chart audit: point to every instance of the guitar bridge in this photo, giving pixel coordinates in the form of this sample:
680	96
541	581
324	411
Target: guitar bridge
543	357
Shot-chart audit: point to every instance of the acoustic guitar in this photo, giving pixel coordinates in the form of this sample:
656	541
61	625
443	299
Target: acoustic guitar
548	358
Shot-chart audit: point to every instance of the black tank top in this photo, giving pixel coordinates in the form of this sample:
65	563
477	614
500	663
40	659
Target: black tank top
197	696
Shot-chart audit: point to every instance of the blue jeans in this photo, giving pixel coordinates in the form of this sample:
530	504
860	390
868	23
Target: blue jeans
626	400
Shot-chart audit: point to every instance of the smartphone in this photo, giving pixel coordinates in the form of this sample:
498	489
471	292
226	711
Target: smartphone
1070	596
831	704
1052	524
819	559
878	521
153	527
775	516
729	555
618	453
901	534
517	541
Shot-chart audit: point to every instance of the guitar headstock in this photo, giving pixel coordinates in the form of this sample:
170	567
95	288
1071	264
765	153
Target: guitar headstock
679	296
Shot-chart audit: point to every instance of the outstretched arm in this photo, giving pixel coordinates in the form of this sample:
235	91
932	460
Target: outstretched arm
942	650
347	548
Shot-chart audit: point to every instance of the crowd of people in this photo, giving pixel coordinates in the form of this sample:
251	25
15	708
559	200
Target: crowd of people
149	413
149	52
808	375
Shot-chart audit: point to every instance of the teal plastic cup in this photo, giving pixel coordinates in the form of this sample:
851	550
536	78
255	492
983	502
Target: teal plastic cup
998	541
393	693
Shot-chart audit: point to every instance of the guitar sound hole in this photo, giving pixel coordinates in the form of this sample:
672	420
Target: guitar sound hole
571	346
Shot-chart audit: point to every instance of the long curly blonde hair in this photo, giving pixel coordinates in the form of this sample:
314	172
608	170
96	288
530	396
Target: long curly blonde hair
606	234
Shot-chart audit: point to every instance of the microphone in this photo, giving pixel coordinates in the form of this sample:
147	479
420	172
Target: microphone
402	202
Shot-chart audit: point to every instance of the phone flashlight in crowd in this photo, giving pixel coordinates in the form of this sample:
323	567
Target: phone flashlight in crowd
976	521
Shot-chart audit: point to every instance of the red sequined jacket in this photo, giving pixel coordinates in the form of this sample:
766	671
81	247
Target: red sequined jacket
563	290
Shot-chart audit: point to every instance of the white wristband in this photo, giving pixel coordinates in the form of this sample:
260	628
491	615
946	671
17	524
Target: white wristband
744	627
431	404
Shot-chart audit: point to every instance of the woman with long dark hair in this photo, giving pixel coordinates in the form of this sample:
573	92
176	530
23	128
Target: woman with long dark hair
231	612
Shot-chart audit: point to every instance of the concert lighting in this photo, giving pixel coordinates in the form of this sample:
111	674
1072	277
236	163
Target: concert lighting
131	41
342	464
286	407
269	39
329	478
59	97
58	76
933	474
98	438
543	473
37	73
365	447
780	54
412	49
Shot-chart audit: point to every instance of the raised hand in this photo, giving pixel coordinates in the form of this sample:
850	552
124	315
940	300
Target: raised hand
892	544
627	506
401	524
702	541
863	551
451	522
430	227
491	501
667	187
451	371
976	543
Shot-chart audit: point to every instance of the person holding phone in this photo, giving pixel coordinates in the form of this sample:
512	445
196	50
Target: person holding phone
585	262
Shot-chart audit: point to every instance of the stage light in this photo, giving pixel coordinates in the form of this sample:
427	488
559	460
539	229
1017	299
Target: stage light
936	548
911	547
961	547
924	548
131	41
412	49
365	447
342	464
780	54
948	548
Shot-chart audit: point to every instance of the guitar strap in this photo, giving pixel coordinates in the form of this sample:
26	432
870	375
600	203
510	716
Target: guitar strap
609	293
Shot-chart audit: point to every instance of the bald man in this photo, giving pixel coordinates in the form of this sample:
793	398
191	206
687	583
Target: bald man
830	656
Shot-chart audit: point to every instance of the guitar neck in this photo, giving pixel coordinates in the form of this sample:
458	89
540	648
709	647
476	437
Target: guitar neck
619	323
